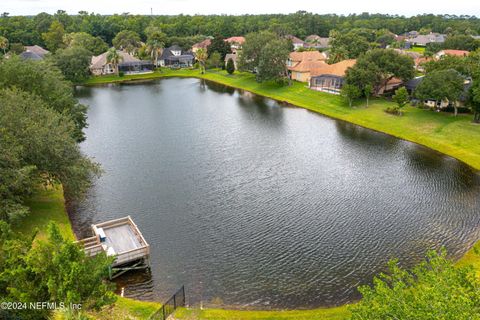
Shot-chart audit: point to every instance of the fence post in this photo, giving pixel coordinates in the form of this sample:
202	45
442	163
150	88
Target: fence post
183	290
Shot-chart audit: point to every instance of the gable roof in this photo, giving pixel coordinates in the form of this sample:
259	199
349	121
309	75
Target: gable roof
99	61
239	40
337	69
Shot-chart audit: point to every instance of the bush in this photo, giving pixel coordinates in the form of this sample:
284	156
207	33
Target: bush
121	74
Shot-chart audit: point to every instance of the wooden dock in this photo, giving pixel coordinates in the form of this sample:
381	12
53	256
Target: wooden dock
120	238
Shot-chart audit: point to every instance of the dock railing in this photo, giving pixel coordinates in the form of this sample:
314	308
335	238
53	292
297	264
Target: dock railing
175	301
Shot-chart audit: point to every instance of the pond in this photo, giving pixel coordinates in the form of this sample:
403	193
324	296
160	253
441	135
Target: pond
254	204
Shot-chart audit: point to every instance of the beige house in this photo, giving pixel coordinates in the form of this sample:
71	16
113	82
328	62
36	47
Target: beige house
330	77
300	64
100	66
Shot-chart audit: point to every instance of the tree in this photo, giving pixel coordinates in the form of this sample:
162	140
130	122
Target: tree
272	61
350	92
460	64
54	37
74	63
251	49
114	58
214	61
56	270
347	45
155	49
435	289
367	92
155	33
39	149
401	98
461	42
377	67
201	56
474	100
220	46
3	44
45	81
84	40
17	48
127	40
230	66
442	85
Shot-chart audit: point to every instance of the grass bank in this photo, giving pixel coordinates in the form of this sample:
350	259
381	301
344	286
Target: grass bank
455	136
338	313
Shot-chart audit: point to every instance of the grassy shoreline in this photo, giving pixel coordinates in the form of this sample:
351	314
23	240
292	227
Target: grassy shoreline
457	136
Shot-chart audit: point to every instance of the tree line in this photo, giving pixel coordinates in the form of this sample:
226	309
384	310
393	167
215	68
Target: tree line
28	30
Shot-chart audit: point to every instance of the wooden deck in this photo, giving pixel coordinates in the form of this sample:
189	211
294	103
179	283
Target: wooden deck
120	238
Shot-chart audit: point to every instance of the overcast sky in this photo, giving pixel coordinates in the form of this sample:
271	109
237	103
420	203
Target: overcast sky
401	7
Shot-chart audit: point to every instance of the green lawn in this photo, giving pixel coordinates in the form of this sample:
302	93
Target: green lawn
454	136
417	49
338	313
45	206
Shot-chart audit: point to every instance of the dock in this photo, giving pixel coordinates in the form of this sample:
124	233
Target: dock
121	239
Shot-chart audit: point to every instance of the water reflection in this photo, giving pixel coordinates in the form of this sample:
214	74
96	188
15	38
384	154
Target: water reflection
251	204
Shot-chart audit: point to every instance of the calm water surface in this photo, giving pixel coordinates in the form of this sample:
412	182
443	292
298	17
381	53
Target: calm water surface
252	204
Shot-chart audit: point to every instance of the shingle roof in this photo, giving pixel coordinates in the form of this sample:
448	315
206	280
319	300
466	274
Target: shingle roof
101	60
27	55
337	69
294	39
37	50
203	44
459	53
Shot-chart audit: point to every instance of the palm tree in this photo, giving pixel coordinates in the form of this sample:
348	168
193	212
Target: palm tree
201	55
114	58
3	44
155	49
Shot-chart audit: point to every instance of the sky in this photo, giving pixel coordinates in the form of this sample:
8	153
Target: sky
402	7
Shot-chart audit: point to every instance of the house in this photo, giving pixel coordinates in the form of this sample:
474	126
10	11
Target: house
34	53
412	84
455	53
175	57
300	64
423	40
202	45
234	58
297	43
235	43
317	42
100	66
330	77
